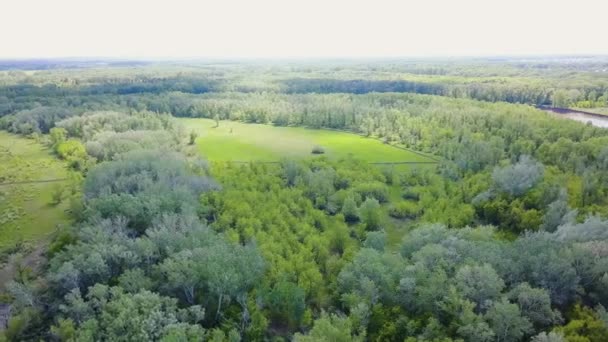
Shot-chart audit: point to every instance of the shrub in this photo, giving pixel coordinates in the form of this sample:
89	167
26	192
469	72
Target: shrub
350	210
193	136
57	194
318	150
74	152
411	195
404	210
370	214
375	190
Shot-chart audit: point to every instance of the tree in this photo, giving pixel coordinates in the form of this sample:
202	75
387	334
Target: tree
367	126
404	209
183	273
291	171
183	332
330	328
593	228
518	178
57	135
481	284
350	210
229	270
375	240
370	214
541	261
584	325
507	322
224	269
193	136
560	99
57	194
549	337
74	152
142	186
557	212
109	314
535	304
477	331
370	278
286	302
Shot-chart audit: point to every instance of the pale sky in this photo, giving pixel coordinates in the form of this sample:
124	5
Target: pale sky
302	28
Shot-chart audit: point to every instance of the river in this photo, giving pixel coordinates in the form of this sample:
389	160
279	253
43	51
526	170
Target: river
595	119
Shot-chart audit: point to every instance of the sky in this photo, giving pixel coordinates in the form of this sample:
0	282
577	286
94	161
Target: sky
300	28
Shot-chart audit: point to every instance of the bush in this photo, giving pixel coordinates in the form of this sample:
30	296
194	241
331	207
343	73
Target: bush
411	195
193	136
318	150
370	214
74	152
57	194
404	210
375	190
350	210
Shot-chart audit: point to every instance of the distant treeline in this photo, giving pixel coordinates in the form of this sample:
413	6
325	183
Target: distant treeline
483	91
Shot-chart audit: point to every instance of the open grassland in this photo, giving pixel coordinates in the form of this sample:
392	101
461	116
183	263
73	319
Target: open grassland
26	209
235	141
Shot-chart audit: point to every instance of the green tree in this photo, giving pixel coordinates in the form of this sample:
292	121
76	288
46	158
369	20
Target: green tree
330	328
549	337
57	135
193	136
507	322
535	304
584	325
350	210
286	302
370	213
480	284
518	178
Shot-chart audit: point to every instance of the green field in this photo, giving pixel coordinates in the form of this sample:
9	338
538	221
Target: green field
26	210
235	141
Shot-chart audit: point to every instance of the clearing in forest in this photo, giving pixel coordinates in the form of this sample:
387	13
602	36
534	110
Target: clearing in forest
27	211
236	141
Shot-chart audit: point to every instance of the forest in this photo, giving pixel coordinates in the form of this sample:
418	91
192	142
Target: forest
440	204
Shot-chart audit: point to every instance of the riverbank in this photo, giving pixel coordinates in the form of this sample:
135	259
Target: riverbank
595	119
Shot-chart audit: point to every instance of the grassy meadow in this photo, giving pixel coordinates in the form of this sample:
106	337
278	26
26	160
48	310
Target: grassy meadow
27	211
236	141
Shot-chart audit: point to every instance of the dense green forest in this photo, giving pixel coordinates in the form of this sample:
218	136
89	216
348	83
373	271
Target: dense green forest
502	235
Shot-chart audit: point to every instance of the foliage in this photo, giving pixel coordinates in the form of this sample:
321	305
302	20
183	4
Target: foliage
107	313
498	231
328	328
318	150
404	209
371	217
142	186
584	325
516	179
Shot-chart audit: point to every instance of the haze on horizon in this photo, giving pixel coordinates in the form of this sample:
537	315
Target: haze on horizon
311	28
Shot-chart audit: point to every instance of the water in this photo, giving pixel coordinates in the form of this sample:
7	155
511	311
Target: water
595	121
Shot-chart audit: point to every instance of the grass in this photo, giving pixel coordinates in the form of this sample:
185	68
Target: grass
26	210
235	141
